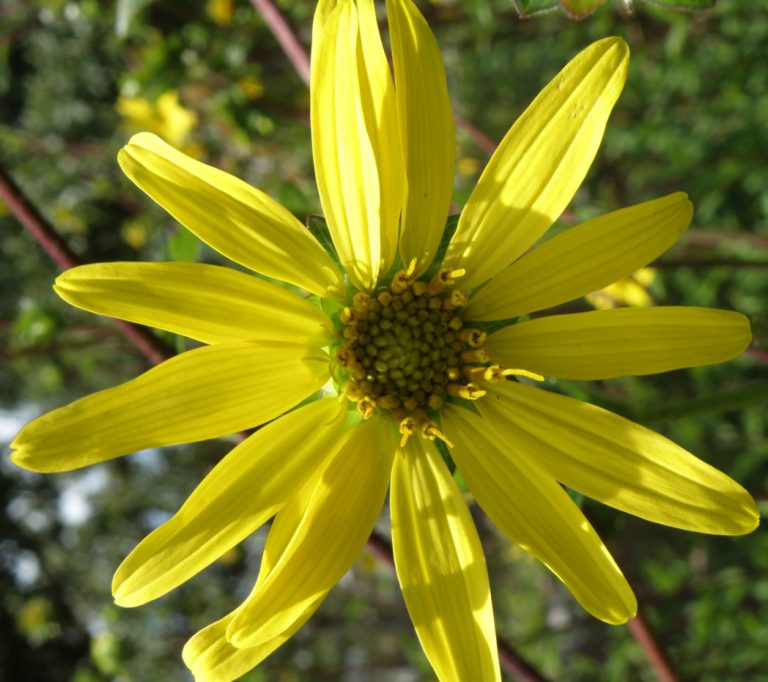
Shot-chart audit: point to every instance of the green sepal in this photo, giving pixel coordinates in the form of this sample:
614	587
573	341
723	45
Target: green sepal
318	226
445	453
449	230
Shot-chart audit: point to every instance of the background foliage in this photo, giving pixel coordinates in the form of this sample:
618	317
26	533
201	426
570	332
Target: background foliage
78	77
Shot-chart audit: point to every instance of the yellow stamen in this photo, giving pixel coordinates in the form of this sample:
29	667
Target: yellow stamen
468	391
366	406
473	337
403	279
495	374
476	355
407	427
456	299
430	430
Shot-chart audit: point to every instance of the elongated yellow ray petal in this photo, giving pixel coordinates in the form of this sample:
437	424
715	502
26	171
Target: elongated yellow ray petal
209	654
426	129
532	509
237	220
355	140
334	529
616	461
621	342
242	492
584	259
539	164
203	393
441	567
208	303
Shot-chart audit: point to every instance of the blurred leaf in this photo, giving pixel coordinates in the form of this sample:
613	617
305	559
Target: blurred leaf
184	246
125	14
580	8
685	4
33	326
527	7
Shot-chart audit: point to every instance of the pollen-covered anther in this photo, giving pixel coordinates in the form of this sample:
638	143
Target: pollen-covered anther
456	299
344	356
474	338
407	428
445	278
476	355
403	279
347	315
365	406
469	391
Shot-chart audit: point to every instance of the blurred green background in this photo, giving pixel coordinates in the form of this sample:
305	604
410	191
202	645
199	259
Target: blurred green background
78	77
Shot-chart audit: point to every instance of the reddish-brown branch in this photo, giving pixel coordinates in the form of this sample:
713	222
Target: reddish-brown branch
478	136
654	652
55	246
284	35
51	242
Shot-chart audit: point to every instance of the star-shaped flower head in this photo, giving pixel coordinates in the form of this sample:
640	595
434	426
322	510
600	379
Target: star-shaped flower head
415	350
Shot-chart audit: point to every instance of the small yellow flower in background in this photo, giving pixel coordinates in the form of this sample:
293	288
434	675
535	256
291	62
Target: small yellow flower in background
631	290
167	117
251	87
468	165
401	347
221	11
134	233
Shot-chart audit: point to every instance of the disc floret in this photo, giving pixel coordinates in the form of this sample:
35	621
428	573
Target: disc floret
405	350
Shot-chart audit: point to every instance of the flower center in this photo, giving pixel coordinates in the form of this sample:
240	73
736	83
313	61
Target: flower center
406	350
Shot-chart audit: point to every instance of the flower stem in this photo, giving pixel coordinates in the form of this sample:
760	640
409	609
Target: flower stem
656	656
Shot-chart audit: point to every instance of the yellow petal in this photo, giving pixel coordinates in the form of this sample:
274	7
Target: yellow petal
584	259
532	509
203	393
621	342
616	461
355	140
237	220
338	520
204	302
539	164
209	654
441	567
426	129
243	491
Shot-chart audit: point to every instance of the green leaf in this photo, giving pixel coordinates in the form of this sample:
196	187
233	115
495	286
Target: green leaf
125	13
184	246
527	7
578	9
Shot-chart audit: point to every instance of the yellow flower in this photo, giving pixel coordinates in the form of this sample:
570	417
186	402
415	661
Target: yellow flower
399	347
167	117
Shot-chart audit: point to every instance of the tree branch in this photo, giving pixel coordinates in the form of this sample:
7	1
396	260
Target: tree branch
57	248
